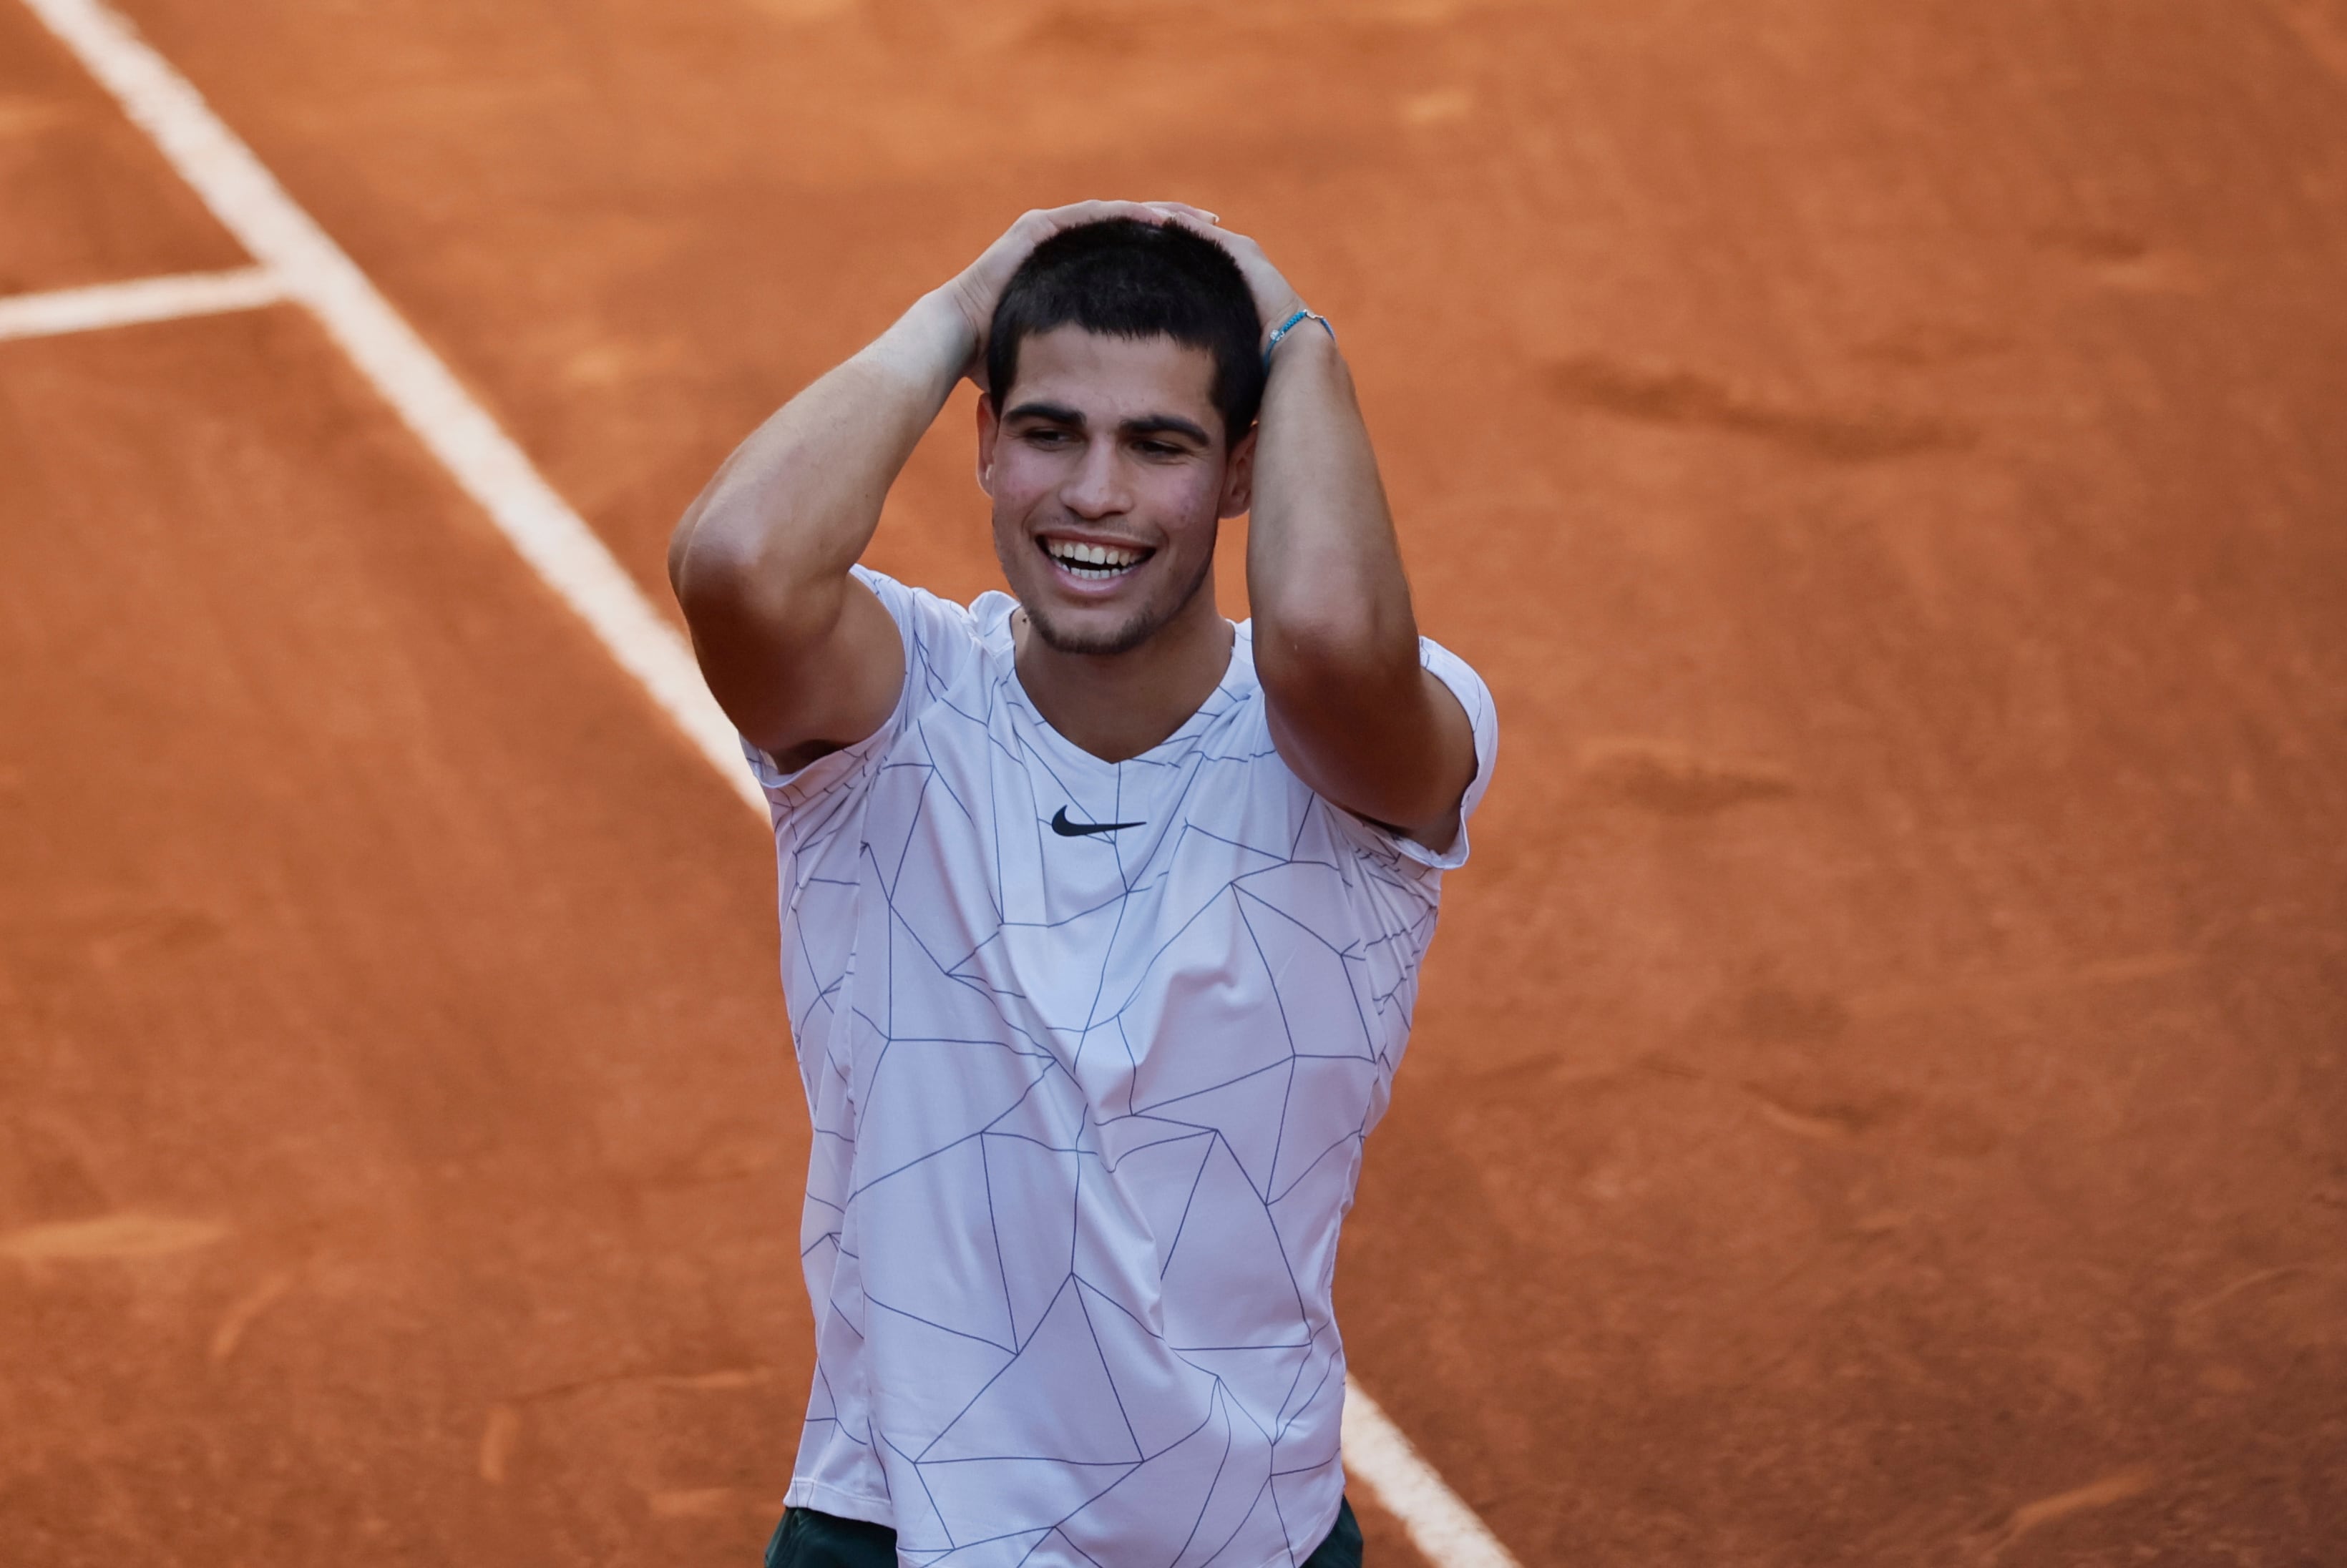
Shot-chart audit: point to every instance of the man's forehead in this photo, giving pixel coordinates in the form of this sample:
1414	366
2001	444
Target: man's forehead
1105	377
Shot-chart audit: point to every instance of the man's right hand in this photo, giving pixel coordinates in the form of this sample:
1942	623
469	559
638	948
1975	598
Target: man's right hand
978	288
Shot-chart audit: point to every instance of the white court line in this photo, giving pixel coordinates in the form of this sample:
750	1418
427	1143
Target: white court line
245	196
1446	1531
141	299
564	551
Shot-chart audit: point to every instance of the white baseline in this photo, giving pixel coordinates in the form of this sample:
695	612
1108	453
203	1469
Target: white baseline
141	299
312	269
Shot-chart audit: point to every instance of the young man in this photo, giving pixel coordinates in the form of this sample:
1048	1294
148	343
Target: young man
1102	916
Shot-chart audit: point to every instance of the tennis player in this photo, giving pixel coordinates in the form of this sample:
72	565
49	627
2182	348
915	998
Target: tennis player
1102	916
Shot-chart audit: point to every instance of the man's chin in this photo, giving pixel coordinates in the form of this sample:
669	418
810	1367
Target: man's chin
1099	624
1094	630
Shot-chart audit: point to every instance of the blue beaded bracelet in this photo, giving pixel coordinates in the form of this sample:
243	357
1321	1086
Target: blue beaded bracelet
1288	326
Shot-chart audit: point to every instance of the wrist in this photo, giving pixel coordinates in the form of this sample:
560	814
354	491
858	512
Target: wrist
1302	321
945	315
1275	313
933	339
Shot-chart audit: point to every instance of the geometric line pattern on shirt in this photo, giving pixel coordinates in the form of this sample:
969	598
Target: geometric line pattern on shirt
1088	1111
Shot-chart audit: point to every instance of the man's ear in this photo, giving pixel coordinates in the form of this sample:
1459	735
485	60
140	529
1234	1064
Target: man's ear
1238	476
989	427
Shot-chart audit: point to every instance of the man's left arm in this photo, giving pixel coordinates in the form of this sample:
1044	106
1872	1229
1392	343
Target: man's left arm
1336	643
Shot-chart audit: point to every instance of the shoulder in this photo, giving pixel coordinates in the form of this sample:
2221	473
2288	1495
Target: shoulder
1467	687
944	641
1376	841
1474	698
926	619
946	648
1459	678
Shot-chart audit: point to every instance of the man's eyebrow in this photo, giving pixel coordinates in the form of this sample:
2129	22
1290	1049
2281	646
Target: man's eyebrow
1057	413
1165	424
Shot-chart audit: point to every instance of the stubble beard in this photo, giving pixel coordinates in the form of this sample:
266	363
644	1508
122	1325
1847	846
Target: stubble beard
1146	622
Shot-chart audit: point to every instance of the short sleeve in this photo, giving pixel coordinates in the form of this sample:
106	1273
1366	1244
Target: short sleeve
939	637
1482	718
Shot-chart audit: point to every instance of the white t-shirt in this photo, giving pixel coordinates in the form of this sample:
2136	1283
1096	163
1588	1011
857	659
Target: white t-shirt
1090	1048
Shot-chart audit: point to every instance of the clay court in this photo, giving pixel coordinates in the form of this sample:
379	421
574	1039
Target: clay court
1880	1094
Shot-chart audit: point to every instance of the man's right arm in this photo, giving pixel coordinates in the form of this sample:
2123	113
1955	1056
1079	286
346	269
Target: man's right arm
802	656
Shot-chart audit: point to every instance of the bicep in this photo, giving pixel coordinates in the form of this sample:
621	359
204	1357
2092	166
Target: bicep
1403	759
795	693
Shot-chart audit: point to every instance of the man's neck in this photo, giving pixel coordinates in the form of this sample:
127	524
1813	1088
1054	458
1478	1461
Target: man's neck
1118	705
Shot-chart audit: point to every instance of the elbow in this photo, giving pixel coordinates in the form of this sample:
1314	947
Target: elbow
711	568
719	548
744	549
1335	667
727	579
1311	648
680	548
704	553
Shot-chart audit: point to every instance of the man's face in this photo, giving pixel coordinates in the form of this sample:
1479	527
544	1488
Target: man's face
1109	470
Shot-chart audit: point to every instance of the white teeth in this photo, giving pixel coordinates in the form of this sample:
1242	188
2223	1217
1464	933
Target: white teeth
1092	561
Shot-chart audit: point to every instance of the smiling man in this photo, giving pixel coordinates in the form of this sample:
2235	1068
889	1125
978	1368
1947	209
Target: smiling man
1102	916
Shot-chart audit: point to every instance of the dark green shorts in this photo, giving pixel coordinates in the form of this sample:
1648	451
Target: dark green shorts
806	1539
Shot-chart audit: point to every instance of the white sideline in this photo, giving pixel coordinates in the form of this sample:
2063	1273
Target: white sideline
458	431
1446	1531
141	299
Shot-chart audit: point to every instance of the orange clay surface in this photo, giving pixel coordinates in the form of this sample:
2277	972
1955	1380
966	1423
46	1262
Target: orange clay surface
1880	1094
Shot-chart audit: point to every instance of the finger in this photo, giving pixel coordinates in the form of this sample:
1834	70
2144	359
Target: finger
1207	225
1185	209
1094	211
1078	213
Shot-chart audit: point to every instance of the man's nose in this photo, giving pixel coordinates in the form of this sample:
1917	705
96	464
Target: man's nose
1097	487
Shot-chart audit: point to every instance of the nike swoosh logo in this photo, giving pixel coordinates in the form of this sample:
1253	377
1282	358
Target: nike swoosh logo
1067	829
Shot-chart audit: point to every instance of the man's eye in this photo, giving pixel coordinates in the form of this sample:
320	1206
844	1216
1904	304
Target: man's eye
1046	436
1158	449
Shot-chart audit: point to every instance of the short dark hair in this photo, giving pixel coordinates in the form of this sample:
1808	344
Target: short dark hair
1127	278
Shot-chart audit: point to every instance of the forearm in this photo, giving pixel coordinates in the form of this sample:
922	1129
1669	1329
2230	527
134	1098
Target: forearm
795	506
1325	579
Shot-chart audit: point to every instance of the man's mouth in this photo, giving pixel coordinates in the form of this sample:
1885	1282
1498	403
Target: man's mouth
1092	562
